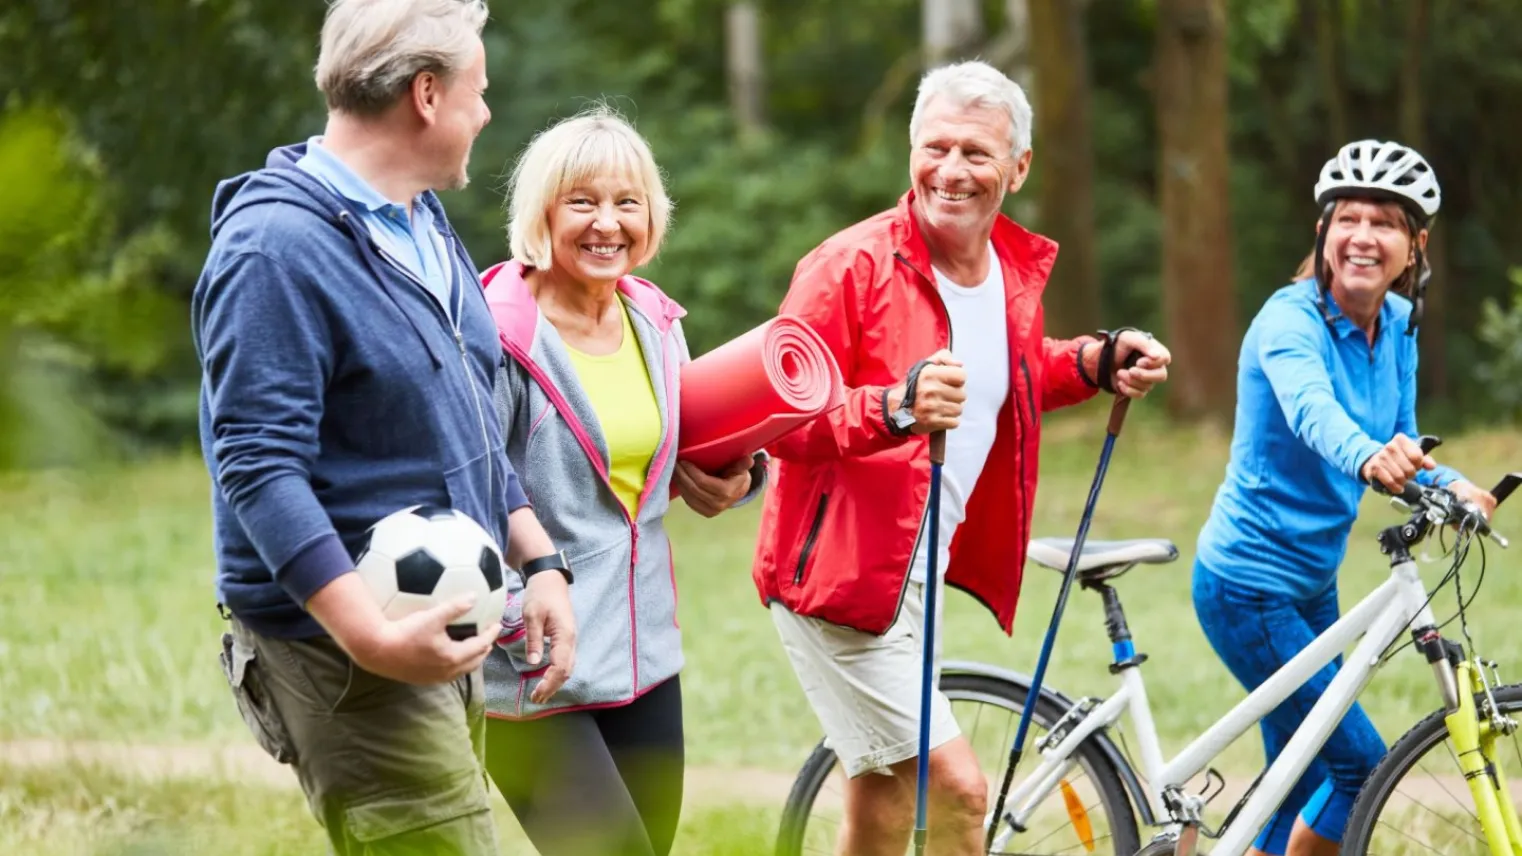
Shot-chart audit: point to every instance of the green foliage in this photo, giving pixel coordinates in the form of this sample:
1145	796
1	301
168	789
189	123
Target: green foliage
171	94
780	199
151	103
74	309
1259	27
1500	330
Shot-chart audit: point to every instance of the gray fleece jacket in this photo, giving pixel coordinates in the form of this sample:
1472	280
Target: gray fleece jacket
624	595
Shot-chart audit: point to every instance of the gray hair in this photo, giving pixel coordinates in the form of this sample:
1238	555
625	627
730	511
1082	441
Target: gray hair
372	49
976	83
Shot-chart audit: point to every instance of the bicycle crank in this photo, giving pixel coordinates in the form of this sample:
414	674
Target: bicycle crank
1171	844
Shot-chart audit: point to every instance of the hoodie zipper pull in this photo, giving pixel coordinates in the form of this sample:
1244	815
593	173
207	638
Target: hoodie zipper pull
459	339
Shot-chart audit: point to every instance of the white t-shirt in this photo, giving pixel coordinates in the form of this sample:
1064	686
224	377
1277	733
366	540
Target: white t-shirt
980	339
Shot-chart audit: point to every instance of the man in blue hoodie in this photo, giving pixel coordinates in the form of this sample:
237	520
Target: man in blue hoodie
347	358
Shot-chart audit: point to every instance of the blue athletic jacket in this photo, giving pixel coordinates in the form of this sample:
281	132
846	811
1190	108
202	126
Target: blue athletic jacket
1312	406
335	390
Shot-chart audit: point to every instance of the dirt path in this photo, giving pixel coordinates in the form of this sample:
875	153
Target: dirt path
705	786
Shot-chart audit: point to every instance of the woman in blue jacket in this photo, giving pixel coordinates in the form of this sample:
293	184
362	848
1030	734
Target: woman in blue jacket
1326	405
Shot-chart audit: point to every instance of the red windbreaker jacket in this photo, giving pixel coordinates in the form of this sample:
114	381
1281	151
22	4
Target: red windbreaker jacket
838	527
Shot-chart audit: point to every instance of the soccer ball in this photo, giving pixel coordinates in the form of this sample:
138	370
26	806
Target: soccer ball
424	555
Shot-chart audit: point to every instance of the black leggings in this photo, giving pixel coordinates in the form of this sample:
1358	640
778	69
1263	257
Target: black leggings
597	781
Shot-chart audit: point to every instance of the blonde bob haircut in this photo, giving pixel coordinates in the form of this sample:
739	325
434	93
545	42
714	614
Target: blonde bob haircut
593	143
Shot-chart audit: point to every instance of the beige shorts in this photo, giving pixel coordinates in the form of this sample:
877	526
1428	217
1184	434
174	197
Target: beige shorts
865	689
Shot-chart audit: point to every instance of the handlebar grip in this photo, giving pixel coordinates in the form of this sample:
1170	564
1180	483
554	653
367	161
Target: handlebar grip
1411	494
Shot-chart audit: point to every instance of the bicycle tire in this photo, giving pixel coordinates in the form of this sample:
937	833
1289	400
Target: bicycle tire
1392	769
972	687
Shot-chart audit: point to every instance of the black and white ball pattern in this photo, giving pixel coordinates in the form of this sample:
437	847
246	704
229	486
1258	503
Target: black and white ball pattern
423	555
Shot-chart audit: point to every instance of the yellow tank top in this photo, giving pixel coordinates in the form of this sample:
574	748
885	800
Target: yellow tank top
618	386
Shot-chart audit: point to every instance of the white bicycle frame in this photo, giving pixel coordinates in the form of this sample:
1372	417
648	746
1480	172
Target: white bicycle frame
1398	603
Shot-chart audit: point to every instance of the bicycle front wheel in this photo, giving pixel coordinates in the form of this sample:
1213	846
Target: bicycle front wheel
1417	801
1092	814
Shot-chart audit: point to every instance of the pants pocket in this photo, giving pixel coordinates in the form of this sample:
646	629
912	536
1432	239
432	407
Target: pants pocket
452	816
254	701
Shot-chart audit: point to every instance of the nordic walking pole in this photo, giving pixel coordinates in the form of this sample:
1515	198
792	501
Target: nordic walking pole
1117	419
927	644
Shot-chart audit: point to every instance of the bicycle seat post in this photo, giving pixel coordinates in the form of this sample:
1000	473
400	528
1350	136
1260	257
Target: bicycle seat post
1116	628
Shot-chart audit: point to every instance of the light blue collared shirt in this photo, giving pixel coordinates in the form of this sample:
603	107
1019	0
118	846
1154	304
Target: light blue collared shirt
1313	404
413	243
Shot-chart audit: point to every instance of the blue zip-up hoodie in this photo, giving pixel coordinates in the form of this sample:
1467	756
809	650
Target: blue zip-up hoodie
1313	404
335	390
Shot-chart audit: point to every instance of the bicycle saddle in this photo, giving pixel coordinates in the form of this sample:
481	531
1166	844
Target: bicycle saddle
1102	560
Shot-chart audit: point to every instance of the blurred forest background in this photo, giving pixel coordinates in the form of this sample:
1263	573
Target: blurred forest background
1176	144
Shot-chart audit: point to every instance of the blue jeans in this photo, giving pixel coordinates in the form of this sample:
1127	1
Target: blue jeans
1255	633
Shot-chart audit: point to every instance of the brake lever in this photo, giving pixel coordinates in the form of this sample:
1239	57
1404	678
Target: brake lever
1482	525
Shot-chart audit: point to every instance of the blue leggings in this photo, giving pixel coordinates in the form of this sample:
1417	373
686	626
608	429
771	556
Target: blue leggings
1255	633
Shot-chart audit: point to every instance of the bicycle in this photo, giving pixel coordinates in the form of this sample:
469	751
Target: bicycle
1099	795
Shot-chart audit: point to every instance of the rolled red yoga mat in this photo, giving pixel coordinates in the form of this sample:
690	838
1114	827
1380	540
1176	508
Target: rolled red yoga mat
753	389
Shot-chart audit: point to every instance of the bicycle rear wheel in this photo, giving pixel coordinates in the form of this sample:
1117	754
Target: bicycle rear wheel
1417	800
988	710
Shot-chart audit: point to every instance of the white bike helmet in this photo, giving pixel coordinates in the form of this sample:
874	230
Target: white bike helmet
1381	170
1371	169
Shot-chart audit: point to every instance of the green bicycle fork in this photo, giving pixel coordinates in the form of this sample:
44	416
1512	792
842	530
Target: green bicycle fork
1474	742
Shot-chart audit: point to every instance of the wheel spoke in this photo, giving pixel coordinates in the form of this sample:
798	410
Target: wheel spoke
1440	816
813	822
1421	844
1043	838
1444	788
1446	819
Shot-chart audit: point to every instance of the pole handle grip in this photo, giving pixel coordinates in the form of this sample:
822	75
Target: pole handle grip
1118	415
1122	403
938	447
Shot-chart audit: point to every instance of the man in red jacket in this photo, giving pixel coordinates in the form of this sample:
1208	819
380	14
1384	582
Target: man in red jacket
933	311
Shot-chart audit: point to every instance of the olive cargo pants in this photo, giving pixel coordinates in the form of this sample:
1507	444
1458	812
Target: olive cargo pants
387	767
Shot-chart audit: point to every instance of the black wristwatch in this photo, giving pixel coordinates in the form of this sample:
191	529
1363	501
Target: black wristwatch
901	421
555	561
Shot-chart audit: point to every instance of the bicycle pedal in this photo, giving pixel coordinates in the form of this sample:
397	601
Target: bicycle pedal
1167	844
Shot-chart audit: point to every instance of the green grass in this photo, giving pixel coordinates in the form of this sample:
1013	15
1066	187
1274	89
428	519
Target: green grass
81	809
109	628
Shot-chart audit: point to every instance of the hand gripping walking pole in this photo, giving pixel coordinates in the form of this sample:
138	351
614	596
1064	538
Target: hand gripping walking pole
1117	419
927	644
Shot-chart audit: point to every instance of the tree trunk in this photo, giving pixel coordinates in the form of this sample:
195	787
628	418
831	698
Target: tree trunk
1064	155
1413	130
1017	28
1199	305
1329	66
952	27
742	31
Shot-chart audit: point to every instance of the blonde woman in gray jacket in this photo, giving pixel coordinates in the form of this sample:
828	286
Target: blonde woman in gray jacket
589	394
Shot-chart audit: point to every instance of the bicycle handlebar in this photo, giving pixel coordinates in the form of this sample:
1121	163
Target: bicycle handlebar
1443	507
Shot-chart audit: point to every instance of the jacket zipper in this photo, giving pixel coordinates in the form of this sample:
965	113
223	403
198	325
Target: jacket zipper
1030	398
808	543
459	338
559	402
925	514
